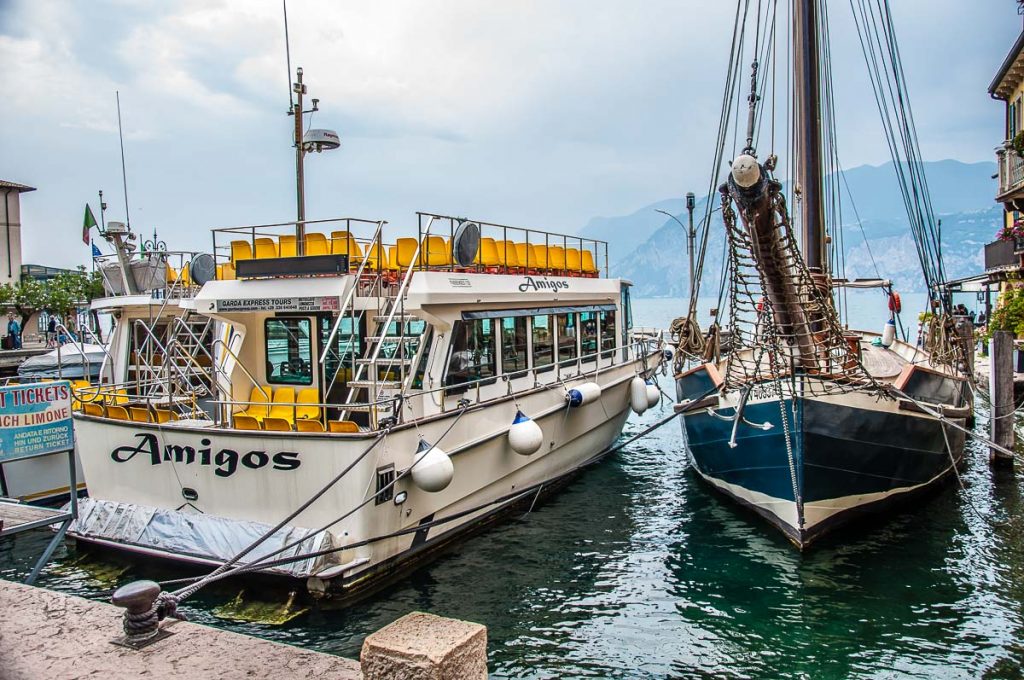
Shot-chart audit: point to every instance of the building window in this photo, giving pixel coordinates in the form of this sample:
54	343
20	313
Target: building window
568	349
289	354
543	343
473	352
513	344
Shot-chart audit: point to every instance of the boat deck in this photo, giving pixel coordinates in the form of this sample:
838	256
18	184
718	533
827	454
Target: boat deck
16	517
881	362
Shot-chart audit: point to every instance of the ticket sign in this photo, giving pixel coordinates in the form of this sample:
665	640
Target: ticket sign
35	420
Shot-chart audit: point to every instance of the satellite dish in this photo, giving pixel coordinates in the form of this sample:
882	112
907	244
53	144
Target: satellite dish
466	243
202	268
321	140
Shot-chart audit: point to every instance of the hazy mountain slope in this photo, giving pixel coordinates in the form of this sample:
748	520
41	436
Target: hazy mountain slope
962	195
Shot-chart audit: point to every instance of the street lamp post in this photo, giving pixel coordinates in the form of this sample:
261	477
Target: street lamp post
691	234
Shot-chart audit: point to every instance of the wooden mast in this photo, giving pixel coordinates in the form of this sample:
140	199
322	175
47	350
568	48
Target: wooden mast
806	87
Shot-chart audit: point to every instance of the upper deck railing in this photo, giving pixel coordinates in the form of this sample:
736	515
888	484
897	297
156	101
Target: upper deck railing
158	273
339	245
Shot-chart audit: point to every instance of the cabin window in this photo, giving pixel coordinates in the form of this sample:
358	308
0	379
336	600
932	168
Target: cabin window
473	355
514	357
567	339
289	354
607	322
588	336
543	343
421	370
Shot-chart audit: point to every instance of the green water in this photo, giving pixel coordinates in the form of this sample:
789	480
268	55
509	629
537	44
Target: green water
637	570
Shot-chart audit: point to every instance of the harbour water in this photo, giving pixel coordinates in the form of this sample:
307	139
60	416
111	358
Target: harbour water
638	570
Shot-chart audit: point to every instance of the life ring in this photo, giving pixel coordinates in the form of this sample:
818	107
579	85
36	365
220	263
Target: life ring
895	305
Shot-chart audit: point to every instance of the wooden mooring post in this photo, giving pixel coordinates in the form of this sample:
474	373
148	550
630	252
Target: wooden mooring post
1001	391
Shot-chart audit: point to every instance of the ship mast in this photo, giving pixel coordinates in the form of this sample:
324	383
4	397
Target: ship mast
806	81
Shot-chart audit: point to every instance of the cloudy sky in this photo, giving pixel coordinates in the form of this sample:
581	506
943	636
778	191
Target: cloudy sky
538	113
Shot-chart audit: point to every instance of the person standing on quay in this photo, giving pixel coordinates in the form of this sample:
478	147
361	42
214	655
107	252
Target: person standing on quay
14	330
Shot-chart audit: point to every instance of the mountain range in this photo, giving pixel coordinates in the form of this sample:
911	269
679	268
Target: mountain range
650	249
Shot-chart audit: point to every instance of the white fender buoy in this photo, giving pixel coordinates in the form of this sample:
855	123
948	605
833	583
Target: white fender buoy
432	468
653	394
525	436
889	333
638	395
583	394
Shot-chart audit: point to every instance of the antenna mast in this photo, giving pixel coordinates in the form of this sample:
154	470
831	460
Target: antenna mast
124	175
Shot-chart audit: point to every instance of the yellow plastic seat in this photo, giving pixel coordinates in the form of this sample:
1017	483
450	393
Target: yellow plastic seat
525	255
306	409
556	258
93	409
508	254
244	422
342	426
119	396
164	415
117	413
403	252
172	274
265	248
342	243
540	254
588	262
435	252
309	426
283	405
259	408
139	414
240	250
487	255
377	259
316	244
277	425
286	245
226	272
185	275
573	262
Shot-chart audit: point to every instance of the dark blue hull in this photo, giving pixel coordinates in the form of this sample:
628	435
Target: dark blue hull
838	463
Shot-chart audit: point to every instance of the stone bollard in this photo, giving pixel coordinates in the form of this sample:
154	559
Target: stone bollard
422	646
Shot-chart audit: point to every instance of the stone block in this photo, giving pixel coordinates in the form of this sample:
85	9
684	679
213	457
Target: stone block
422	646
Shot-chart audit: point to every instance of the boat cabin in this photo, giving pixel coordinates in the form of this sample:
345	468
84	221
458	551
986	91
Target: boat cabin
332	328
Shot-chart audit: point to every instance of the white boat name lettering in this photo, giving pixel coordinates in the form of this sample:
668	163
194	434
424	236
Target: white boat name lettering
542	284
226	461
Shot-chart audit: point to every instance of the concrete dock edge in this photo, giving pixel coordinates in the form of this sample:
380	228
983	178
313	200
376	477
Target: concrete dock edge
46	634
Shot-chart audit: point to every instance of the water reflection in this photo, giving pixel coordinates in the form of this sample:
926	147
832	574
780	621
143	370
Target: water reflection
638	570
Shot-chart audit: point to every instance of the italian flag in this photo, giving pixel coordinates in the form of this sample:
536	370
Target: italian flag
88	224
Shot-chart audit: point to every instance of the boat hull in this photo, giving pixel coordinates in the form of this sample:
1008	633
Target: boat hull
146	471
826	462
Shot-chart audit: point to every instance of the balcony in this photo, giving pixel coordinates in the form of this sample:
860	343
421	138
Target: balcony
1011	177
1003	255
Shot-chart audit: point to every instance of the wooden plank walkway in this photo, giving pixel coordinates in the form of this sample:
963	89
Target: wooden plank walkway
16	515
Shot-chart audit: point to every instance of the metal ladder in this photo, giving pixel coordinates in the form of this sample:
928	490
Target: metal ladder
372	361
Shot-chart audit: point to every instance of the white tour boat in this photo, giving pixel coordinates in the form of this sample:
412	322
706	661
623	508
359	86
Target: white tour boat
356	403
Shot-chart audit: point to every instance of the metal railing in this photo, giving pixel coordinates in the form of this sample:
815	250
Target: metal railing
1011	169
503	235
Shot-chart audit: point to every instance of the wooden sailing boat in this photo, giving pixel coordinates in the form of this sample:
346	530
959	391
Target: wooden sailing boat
806	422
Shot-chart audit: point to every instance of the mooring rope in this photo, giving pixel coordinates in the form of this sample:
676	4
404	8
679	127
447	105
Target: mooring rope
225	570
522	493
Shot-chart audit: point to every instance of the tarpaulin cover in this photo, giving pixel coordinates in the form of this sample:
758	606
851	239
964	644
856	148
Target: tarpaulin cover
188	534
